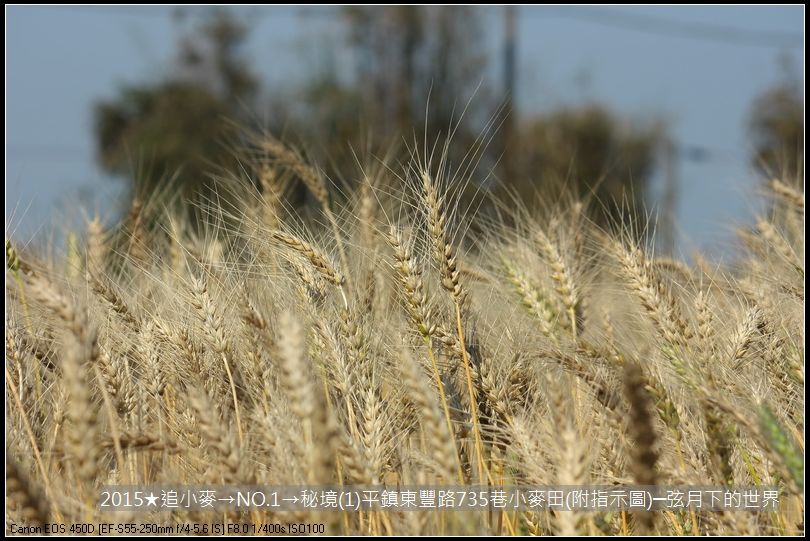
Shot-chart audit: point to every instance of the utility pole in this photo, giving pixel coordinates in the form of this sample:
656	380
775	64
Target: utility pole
669	198
509	52
509	77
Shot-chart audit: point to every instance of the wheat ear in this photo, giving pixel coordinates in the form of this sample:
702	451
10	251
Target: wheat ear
446	258
642	431
215	333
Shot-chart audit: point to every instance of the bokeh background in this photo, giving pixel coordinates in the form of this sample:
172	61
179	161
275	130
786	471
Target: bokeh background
681	110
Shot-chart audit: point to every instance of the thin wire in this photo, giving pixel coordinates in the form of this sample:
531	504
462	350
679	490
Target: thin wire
653	24
638	22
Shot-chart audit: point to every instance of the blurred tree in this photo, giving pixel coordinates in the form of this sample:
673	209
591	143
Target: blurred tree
405	54
416	69
590	151
177	125
777	128
418	72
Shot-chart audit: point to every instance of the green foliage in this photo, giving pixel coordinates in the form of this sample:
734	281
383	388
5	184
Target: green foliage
418	74
588	150
175	125
179	127
782	445
417	67
777	126
406	53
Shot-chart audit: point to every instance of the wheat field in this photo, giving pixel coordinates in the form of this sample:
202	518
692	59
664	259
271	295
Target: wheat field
396	336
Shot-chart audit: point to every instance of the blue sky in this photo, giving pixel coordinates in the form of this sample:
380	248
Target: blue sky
59	60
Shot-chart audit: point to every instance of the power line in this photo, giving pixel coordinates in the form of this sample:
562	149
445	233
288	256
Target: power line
653	24
47	152
109	10
163	12
650	24
614	18
700	154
